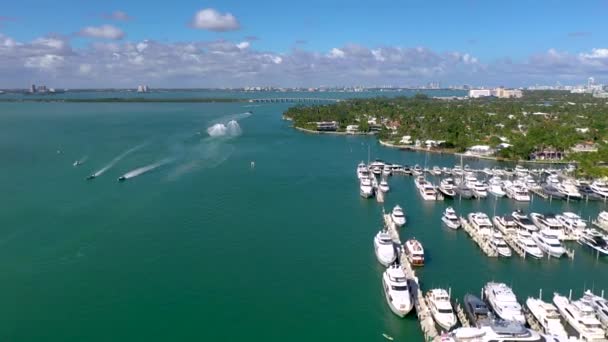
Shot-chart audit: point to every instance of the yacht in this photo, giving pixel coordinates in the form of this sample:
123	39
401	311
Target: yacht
479	189
376	170
463	191
498	243
436	171
397	291
441	308
594	240
525	241
487	171
450	219
548	221
446	171
599	304
503	302
547	315
548	241
362	170
457	170
498	332
398	216
523	222
477	311
530	183
572	222
600	188
517	192
481	223
588	194
384	248
387	171
495	187
446	187
417	170
414	252
520	171
365	188
384	186
581	318
506	224
568	190
602	220
427	190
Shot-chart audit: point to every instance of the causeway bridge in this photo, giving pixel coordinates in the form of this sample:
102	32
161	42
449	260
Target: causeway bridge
294	100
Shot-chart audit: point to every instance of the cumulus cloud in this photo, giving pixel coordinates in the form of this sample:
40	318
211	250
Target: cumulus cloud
104	31
117	15
212	20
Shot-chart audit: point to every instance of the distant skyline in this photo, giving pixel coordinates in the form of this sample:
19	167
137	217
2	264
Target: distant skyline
304	44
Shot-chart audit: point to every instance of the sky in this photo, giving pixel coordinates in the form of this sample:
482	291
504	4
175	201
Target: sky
86	44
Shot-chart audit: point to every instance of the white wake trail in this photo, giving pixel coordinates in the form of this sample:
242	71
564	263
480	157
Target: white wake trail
144	169
117	159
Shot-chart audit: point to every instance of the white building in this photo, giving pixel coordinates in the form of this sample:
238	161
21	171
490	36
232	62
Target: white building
480	150
406	140
352	129
477	93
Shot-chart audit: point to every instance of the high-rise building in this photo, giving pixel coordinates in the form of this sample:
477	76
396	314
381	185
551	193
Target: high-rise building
33	88
590	81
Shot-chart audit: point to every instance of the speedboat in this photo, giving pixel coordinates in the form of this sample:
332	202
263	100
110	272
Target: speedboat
548	241
366	188
572	222
397	291
594	240
463	191
77	163
436	171
414	252
387	171
547	315
398	216
599	304
487	171
517	192
477	311
495	187
384	248
377	170
457	170
600	188
93	176
525	241
362	170
498	243
506	224
503	302
441	308
122	178
446	187
479	189
500	331
384	186
481	223
450	219
548	221
417	170
522	220
581	318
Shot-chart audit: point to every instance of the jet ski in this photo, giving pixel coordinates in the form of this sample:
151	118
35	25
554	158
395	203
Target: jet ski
91	177
122	178
77	163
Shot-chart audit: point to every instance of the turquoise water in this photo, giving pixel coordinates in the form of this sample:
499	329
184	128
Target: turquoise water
207	248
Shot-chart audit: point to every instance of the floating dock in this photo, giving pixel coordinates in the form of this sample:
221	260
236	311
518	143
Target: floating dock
480	240
379	196
462	317
391	228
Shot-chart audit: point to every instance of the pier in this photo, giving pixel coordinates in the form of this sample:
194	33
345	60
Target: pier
462	317
379	196
391	228
480	240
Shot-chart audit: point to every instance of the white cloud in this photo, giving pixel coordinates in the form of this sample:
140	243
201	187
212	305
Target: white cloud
85	69
104	31
596	53
336	53
243	45
47	62
211	19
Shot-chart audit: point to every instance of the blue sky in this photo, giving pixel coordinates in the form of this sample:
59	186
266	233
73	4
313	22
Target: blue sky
496	36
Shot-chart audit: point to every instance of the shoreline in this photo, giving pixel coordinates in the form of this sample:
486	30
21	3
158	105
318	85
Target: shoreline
330	132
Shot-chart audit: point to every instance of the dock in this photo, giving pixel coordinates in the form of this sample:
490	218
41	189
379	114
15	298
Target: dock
539	192
391	228
481	241
510	240
462	317
379	196
532	321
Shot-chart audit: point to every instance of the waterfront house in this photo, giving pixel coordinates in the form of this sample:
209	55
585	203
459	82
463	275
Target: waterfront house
406	140
587	146
480	150
327	125
352	129
547	153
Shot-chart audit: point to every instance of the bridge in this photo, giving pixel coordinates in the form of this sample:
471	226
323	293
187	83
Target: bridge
294	100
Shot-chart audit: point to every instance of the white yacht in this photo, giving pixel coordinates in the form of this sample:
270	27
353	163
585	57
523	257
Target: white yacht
547	315
480	190
387	171
503	302
602	220
599	304
362	170
548	221
417	170
377	170
594	240
517	192
446	187
436	171
487	171
498	332
495	187
397	291
366	188
581	318
414	252
522	220
441	308
520	171
548	241
384	248
450	219
498	243
600	188
457	170
506	224
481	223
568	190
384	186
398	216
525	241
427	190
572	222
530	183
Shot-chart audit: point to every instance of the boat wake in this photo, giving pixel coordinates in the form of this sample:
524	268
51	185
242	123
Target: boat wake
231	129
116	160
140	171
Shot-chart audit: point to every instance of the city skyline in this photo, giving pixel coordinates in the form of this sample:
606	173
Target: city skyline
231	44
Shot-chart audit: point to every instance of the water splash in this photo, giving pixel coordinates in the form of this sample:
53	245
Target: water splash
231	129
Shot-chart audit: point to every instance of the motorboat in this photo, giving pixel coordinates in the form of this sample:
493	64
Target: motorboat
523	222
600	188
498	243
487	171
548	316
495	187
479	189
446	187
90	177
366	189
427	190
384	248
441	308
503	302
572	222
122	178
480	222
520	171
602	220
500	331
414	252
530	183
377	163
397	291
506	224
407	170
436	171
77	163
588	194
594	240
568	190
581	318
446	171
524	240
463	191
384	186
548	221
450	219
498	172
600	305
417	170
457	170
517	192
387	171
477	311
549	242
376	170
362	170
398	216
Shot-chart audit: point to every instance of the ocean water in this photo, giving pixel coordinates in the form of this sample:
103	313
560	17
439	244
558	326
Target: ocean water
205	247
